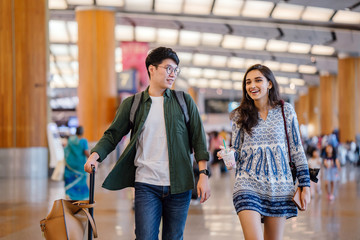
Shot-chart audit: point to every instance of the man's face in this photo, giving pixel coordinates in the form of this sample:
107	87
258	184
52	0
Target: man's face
159	76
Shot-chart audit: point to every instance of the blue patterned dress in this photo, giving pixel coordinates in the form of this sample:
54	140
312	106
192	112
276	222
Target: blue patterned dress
263	180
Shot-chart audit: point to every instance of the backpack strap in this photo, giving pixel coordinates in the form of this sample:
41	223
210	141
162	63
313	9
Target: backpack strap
134	108
179	95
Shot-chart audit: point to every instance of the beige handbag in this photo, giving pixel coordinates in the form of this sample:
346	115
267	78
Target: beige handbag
67	220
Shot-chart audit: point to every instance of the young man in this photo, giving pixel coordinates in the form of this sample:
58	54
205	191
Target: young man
157	160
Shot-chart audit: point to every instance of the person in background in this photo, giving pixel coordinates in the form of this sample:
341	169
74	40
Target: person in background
331	170
264	186
315	161
76	153
157	160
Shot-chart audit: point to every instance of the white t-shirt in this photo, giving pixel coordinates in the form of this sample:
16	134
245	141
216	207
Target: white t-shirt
152	159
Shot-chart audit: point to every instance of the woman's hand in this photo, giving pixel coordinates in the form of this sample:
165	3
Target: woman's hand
305	197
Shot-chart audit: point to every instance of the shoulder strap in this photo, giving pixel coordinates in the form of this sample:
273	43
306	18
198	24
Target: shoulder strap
286	133
134	107
181	101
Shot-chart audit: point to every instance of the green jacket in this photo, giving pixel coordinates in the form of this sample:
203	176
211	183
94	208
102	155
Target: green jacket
180	164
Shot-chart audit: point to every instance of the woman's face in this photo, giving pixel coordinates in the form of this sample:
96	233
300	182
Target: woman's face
328	150
257	85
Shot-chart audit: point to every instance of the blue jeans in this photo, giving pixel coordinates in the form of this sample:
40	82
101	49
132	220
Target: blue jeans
153	202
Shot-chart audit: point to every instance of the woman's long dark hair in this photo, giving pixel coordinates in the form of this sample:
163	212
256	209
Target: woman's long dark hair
248	113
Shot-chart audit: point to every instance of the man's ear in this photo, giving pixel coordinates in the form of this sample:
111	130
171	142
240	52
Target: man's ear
151	68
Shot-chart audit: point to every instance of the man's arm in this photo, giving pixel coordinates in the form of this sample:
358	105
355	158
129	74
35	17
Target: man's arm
203	187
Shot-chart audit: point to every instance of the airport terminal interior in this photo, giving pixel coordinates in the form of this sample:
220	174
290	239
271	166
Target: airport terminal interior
66	63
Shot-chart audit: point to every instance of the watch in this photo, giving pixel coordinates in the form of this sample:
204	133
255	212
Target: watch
205	171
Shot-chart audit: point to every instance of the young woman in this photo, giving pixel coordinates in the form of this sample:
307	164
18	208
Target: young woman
264	187
332	167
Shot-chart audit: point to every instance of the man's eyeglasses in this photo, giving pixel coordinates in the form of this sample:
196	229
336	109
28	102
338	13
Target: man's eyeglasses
170	69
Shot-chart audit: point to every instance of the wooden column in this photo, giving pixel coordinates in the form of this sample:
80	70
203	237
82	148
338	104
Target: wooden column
23	67
349	99
328	104
97	86
314	111
302	109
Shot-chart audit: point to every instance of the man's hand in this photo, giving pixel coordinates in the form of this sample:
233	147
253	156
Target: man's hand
203	188
91	161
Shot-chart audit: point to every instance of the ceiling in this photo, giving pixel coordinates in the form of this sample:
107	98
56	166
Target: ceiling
217	40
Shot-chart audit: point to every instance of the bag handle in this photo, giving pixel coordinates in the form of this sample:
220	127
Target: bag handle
91	221
287	136
84	204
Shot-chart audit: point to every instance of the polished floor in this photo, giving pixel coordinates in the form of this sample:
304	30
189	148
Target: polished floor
24	202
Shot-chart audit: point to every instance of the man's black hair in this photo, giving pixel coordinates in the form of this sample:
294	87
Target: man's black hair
157	55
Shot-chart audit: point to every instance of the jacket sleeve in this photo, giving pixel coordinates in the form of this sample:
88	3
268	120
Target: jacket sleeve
196	130
296	148
117	130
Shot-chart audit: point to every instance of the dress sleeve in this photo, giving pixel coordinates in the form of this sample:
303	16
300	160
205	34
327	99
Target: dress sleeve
297	152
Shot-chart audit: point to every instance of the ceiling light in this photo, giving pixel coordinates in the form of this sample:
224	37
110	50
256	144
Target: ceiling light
257	9
295	47
110	3
288	67
317	14
282	80
346	17
307	69
168	6
57	4
73	30
139	5
195	72
232	42
200	7
74	51
251	62
185	57
145	34
297	81
277	46
237	76
201	59
211	39
215	83
202	83
224	75
189	38
58	32
237	86
167	36
322	50
209	73
59	49
287	11
80	2
218	61
192	81
256	44
274	66
227	85
235	62
124	33
228	8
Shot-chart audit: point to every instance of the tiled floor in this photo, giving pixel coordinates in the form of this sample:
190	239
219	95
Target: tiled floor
24	202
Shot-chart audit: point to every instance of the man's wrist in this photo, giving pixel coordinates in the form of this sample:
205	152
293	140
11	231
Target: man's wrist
204	172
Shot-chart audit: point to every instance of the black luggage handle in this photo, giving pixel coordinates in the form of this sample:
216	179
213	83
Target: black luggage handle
91	199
